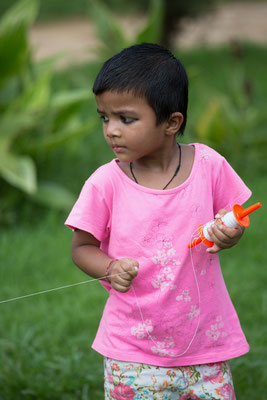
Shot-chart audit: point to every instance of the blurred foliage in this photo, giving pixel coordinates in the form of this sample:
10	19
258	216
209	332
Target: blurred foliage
164	18
33	119
175	11
231	114
45	119
112	36
236	123
37	117
172	12
58	9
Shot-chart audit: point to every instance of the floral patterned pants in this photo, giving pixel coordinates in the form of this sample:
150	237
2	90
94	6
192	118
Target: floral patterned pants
133	381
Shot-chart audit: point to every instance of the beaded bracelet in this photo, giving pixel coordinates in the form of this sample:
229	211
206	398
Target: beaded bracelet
108	268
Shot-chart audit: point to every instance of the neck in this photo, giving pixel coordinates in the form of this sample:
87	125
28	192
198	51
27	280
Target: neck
162	173
160	161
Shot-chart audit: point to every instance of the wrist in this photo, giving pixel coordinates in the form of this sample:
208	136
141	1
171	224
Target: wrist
108	270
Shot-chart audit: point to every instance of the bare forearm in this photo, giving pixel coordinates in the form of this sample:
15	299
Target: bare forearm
91	260
87	255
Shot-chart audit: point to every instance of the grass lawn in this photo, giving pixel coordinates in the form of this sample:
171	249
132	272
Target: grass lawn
45	340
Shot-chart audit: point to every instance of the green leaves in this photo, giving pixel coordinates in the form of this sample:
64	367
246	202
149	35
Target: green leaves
53	195
109	32
22	14
232	124
34	118
154	27
113	38
19	171
14	47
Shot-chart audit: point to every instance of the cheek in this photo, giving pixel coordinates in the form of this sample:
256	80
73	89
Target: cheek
104	130
141	130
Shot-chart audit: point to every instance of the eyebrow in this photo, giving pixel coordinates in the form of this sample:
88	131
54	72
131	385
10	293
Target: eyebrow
119	112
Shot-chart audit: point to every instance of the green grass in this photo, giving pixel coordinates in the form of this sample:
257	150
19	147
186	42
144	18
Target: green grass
245	275
45	340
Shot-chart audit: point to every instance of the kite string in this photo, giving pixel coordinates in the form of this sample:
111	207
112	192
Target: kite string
61	287
153	339
194	234
73	284
132	287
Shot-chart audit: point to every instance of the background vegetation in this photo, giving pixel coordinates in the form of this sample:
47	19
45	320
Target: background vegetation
50	9
50	142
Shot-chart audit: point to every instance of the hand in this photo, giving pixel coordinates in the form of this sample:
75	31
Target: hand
122	283
222	236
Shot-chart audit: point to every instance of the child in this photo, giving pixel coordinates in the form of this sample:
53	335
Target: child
168	327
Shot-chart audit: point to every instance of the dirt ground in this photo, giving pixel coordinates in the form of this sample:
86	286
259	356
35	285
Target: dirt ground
76	40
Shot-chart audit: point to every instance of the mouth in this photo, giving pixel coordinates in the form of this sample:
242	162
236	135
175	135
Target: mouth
118	149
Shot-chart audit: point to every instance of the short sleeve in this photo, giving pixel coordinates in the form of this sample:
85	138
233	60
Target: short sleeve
229	188
90	213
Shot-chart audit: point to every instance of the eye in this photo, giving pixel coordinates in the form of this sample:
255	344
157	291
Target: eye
127	120
104	118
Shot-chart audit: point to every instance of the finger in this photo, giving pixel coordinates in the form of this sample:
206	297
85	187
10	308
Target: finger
221	213
222	241
120	267
229	237
122	280
129	262
133	273
121	277
218	236
130	266
214	249
121	288
221	230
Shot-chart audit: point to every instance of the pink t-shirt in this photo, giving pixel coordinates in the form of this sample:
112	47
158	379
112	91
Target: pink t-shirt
179	311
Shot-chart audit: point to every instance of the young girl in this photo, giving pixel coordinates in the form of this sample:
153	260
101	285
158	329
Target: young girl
168	327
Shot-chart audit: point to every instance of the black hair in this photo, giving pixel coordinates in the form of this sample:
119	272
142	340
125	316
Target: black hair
151	71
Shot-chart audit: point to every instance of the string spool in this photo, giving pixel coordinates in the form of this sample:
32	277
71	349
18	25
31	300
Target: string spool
237	217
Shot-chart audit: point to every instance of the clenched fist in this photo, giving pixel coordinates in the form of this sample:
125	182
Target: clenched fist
128	268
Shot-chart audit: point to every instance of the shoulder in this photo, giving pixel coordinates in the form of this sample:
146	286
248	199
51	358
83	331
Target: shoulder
211	162
206	153
103	174
101	182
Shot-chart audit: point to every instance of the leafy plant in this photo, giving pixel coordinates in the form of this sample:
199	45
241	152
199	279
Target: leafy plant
34	118
234	123
111	35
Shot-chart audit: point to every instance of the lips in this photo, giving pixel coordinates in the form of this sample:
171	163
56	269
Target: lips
118	149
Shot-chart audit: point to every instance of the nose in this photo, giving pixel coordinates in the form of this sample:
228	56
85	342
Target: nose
112	129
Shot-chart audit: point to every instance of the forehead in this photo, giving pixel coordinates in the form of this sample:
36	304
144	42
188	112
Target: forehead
113	101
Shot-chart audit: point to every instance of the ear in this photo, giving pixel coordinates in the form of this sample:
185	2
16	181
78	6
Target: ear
174	123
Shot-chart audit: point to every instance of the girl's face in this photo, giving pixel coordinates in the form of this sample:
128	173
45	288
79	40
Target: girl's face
129	126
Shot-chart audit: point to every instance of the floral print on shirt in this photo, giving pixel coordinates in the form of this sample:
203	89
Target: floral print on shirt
165	258
216	330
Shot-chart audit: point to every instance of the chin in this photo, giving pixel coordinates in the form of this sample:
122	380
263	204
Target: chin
123	160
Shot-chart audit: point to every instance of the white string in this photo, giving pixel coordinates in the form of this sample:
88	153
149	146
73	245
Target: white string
141	314
61	287
194	235
132	287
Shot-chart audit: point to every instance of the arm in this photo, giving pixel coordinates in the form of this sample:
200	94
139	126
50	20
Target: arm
87	255
222	236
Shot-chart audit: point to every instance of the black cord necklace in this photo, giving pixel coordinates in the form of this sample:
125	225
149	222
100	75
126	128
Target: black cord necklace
175	173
